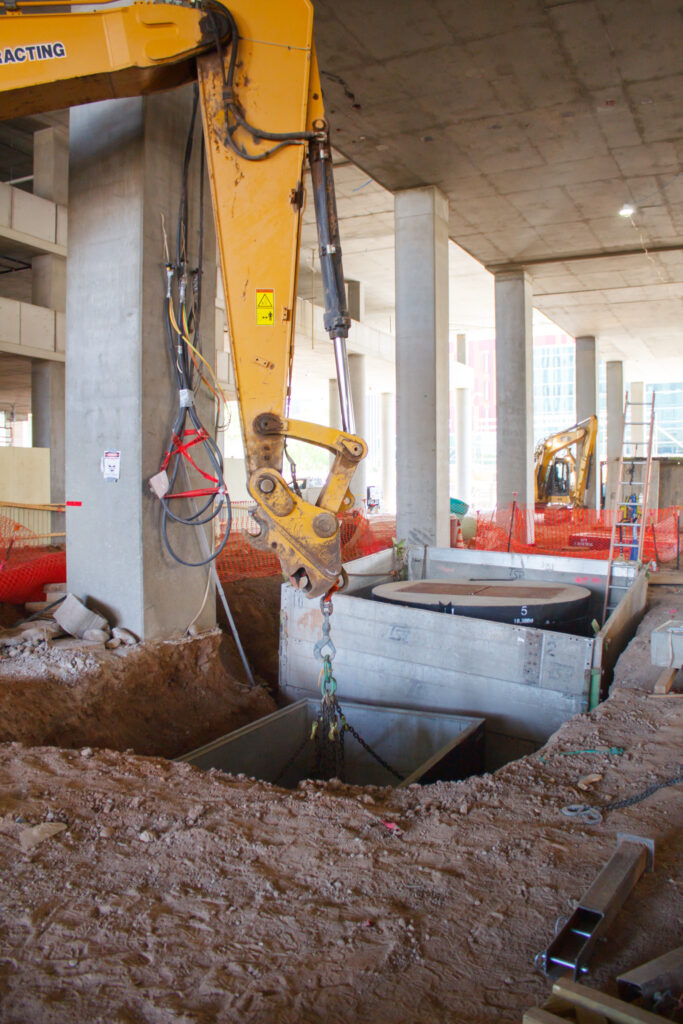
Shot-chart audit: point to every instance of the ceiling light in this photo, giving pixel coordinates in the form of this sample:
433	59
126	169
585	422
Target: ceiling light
627	210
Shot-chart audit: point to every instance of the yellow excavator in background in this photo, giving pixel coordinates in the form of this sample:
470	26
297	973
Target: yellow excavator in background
563	465
262	111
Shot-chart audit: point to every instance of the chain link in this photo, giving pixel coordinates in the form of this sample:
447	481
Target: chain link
324	647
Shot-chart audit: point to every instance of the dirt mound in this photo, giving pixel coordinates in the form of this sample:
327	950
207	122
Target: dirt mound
174	895
161	698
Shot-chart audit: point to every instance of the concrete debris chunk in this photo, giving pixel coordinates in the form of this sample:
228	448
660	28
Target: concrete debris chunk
96	636
76	619
30	837
41	629
587	781
124	635
11	637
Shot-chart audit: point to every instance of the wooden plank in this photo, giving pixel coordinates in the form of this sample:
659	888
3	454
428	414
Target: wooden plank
619	629
539	1016
584	1016
665	680
666	578
614	1009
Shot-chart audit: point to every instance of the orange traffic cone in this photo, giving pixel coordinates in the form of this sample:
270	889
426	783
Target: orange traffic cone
459	539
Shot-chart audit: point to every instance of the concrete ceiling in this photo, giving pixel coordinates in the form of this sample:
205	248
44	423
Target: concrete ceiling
538	119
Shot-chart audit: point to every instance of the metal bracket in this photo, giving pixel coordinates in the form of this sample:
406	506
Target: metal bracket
573	945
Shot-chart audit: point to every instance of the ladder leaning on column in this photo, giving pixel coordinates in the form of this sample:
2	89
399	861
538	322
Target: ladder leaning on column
630	528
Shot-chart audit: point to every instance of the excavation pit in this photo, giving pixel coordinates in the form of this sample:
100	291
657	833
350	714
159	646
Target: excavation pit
525	681
422	746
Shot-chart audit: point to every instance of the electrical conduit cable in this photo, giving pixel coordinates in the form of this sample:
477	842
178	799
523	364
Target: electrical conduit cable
182	316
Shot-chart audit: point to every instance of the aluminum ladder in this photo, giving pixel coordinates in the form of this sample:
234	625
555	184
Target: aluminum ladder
629	511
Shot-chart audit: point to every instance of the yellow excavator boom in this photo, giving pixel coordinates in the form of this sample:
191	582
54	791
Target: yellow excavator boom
263	113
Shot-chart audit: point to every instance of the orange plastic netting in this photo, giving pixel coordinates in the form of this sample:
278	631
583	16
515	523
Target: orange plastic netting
25	570
577	533
583	533
360	535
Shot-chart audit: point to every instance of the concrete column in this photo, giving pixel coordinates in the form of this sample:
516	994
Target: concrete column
47	411
51	164
335	409
586	392
50	181
48	282
463	427
355	298
126	166
514	391
639	415
422	394
358	383
615	420
388	452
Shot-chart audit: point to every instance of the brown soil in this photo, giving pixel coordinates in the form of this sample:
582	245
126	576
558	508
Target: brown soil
180	896
255	607
154	698
9	614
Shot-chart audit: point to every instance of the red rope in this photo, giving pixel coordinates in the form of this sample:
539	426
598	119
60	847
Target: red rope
181	447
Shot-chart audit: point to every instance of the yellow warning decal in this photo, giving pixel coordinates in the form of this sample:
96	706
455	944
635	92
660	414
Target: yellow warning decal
265	307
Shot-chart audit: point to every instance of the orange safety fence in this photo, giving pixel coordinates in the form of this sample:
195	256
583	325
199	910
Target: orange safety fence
360	535
575	533
25	568
583	533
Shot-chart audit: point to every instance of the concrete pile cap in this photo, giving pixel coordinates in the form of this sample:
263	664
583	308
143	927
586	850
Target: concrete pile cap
76	619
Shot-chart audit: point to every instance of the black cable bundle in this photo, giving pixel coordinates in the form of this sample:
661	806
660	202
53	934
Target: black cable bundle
188	430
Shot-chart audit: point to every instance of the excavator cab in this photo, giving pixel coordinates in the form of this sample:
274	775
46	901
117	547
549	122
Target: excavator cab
559	479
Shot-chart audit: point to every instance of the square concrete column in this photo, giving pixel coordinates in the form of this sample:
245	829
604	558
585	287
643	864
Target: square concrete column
463	426
586	391
358	382
422	485
615	422
48	281
388	451
50	181
334	408
639	416
355	300
51	164
126	169
47	412
514	391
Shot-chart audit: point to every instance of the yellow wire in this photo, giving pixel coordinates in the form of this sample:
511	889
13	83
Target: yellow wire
196	351
208	366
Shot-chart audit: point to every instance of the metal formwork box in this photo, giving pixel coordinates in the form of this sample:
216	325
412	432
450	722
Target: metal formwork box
422	746
525	682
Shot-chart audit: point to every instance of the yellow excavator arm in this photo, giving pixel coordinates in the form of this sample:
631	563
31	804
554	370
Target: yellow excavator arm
263	114
575	467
